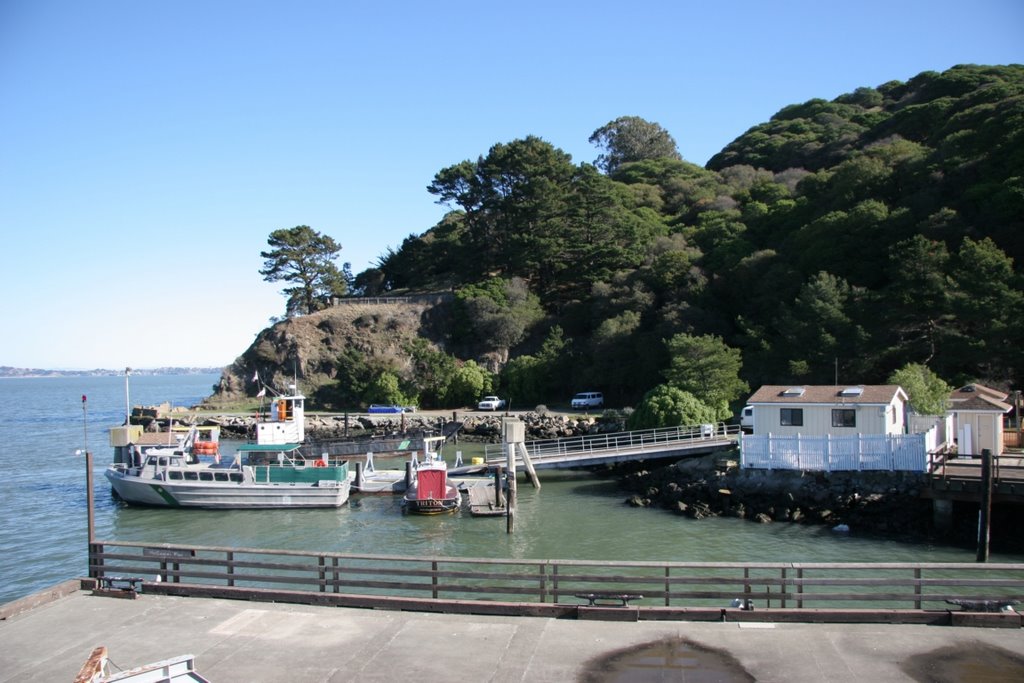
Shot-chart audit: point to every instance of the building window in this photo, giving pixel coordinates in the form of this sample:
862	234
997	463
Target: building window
791	417
844	417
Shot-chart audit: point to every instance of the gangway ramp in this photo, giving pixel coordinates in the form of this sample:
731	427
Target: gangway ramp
600	449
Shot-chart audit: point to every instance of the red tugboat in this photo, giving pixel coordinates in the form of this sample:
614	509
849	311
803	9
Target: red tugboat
432	493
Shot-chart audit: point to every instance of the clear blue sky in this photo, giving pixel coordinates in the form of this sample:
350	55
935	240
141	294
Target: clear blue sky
147	149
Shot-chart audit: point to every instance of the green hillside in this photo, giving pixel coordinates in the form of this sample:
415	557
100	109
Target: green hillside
841	239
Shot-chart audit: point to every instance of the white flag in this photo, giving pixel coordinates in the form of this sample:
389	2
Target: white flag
261	393
256	376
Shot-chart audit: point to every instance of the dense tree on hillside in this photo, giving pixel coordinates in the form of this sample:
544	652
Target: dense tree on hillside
853	236
304	257
532	379
986	303
514	203
496	314
707	368
669	406
631	138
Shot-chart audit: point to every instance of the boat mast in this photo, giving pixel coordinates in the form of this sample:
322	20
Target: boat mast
127	401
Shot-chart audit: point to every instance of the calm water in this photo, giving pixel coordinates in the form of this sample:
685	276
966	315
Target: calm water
573	516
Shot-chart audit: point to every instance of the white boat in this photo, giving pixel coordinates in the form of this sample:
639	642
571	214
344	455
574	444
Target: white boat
432	492
272	473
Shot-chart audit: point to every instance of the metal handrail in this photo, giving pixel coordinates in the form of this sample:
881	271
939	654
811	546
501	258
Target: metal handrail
616	442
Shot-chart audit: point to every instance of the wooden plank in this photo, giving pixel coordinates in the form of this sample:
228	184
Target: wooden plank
986	619
481	502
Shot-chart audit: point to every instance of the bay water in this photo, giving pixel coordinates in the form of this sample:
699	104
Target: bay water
575	515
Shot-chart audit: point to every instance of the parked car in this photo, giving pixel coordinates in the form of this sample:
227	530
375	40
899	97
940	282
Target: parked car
377	409
747	419
490	403
588	399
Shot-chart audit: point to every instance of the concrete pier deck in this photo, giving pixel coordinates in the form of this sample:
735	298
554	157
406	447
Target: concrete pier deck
250	641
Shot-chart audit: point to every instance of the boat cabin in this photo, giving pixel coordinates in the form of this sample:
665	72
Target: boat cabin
287	423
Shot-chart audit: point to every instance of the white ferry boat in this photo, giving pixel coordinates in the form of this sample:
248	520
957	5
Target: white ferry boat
274	472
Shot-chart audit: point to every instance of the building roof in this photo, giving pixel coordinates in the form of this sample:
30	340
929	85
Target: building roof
980	398
876	394
969	391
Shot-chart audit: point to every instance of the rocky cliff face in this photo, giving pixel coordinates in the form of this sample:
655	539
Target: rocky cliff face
308	347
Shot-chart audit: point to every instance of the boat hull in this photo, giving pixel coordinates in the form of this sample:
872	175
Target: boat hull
431	506
449	502
216	495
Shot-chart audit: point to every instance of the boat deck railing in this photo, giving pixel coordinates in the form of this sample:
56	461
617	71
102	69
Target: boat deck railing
877	591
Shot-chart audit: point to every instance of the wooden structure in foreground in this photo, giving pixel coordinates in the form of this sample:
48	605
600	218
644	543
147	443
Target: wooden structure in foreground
959	479
777	591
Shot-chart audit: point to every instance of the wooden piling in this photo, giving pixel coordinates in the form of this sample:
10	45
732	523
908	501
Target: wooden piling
510	508
499	490
985	509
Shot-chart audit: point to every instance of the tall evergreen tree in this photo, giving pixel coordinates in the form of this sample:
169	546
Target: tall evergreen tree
304	257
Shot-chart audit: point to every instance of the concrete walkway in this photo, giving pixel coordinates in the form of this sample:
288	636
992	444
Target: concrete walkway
249	641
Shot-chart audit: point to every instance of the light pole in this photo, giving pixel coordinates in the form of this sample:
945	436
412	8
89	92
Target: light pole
90	516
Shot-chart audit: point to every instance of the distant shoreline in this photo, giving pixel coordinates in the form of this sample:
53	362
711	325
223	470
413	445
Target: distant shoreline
17	373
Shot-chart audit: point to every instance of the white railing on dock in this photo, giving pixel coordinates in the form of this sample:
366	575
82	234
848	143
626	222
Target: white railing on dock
894	453
617	443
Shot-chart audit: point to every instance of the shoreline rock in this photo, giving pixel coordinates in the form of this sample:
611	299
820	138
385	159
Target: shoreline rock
886	503
475	427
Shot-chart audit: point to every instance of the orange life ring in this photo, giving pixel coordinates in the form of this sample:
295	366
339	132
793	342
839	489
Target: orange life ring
319	463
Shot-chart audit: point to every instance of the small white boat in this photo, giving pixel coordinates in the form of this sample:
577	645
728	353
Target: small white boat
432	493
272	473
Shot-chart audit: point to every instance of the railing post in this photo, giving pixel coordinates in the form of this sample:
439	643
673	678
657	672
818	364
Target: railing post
230	561
335	574
554	583
917	588
783	589
322	573
800	587
668	585
433	579
543	582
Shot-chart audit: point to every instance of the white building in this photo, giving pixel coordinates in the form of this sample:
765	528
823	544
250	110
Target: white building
978	418
826	428
811	410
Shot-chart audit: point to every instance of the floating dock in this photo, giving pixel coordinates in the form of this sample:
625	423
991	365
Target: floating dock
484	501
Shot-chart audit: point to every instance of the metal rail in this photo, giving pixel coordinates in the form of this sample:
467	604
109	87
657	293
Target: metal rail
647	443
374	579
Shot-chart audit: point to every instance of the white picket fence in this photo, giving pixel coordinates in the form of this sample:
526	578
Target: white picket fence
901	452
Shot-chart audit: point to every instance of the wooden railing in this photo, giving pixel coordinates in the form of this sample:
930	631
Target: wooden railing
471	584
949	466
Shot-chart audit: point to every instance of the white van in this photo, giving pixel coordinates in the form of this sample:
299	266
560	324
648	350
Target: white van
747	419
588	399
